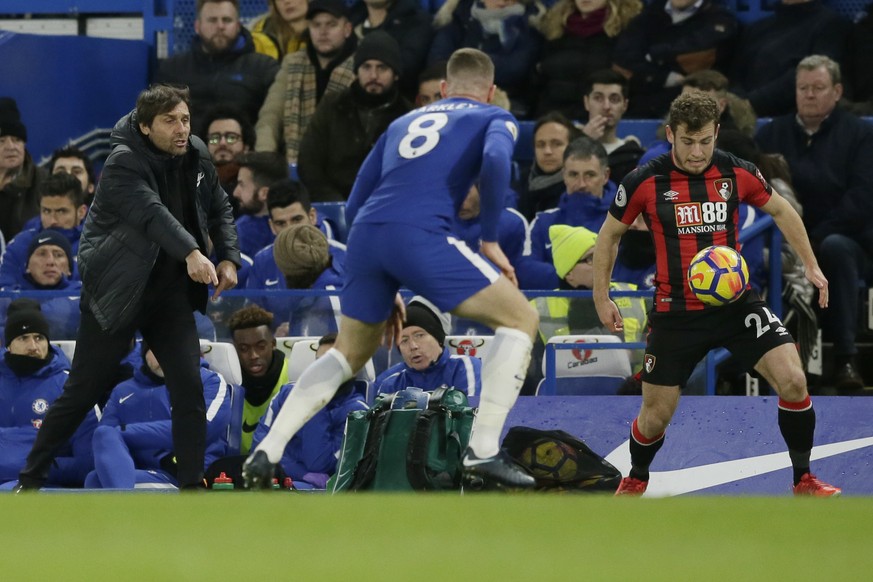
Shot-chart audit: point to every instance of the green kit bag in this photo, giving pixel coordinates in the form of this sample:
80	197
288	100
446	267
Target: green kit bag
409	440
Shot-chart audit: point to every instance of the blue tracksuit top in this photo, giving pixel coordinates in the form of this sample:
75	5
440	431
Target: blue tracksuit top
314	448
463	373
142	406
24	402
15	256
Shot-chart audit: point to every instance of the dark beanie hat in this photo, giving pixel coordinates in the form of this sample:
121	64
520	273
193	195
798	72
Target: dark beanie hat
301	250
336	8
24	316
10	119
51	237
380	46
420	315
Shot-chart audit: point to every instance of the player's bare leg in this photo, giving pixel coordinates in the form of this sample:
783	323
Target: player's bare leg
782	369
504	308
355	344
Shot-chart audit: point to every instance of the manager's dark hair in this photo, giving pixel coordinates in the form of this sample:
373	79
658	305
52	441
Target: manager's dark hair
159	99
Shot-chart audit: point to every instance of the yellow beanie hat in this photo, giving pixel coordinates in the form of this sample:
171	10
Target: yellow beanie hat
569	244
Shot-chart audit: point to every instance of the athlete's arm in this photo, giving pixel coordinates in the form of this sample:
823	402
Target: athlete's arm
605	251
494	176
791	225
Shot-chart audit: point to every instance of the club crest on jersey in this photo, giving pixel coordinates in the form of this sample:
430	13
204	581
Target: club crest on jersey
649	363
671	195
724	187
621	196
39	406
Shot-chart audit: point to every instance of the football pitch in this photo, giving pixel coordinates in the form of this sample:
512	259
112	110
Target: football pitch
282	536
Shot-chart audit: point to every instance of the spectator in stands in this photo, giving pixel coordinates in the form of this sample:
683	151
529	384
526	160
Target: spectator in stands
736	113
668	40
347	124
573	258
47	267
606	102
228	133
222	65
580	35
72	160
257	170
19	176
305	76
310	457
585	202
829	152
32	376
408	23
859	62
282	30
264	368
62	210
288	204
499	28
427	363
144	268
303	255
769	50
133	443
541	187
635	261
429	84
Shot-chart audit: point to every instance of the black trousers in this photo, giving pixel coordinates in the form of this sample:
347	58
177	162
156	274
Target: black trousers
166	322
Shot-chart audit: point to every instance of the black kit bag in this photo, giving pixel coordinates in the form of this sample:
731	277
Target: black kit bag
409	440
560	461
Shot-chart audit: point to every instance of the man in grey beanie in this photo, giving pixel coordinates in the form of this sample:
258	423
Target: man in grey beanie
347	124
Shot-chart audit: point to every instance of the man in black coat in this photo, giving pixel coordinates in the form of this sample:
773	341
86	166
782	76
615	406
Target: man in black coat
158	212
829	151
222	66
346	125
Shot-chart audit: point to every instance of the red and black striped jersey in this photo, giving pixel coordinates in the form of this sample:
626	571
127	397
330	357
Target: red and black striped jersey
686	213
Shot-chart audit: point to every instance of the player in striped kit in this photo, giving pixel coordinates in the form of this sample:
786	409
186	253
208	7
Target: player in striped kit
690	199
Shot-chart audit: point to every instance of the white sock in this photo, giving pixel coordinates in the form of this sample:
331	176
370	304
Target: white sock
503	373
313	390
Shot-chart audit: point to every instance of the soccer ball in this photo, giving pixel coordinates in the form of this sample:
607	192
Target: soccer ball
718	275
549	458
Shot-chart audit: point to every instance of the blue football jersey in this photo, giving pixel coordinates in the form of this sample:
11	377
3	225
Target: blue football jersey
422	167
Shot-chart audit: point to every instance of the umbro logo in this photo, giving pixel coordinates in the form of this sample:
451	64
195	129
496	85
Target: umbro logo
671	195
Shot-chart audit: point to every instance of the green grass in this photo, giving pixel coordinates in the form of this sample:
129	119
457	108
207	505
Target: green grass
225	537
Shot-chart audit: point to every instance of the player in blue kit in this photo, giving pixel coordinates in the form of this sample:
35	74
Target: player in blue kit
401	209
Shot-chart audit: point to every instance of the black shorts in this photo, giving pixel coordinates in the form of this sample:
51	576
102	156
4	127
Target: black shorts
677	341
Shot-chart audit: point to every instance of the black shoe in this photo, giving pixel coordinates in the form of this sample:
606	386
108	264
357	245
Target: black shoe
847	378
26	486
257	471
497	473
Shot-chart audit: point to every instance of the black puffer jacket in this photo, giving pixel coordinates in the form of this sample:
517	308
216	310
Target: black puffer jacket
128	224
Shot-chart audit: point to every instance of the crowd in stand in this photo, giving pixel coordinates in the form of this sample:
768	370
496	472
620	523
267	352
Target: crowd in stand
290	107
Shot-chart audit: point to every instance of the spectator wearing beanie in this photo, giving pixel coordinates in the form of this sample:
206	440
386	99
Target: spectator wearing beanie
573	257
427	363
346	125
303	255
47	268
19	176
32	376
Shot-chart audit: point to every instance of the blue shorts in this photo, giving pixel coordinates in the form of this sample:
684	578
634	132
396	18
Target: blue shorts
381	258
